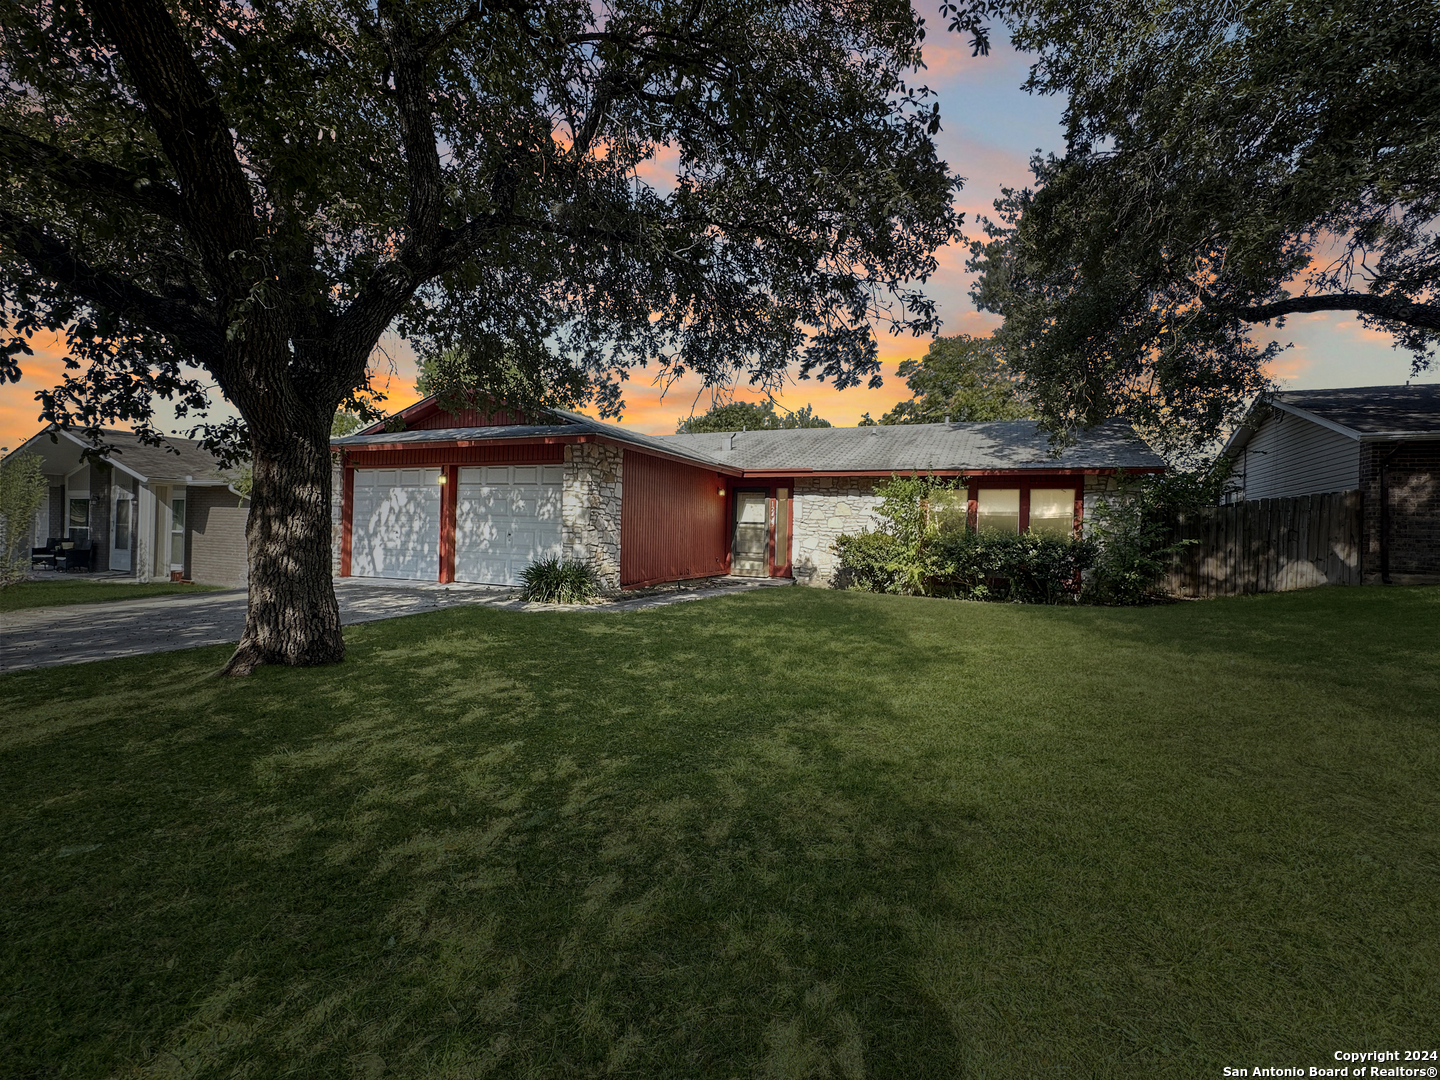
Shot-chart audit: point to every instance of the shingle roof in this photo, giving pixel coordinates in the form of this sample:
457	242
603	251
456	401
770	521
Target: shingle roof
1373	410
186	461
1012	444
1001	444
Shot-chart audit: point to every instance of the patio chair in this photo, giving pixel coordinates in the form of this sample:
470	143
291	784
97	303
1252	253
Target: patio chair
74	556
43	558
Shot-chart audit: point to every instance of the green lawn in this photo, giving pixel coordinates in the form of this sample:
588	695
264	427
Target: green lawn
786	834
54	592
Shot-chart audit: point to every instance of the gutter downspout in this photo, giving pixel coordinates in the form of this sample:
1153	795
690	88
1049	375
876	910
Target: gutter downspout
1385	515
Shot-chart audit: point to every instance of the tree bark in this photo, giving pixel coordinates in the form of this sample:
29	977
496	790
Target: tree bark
293	617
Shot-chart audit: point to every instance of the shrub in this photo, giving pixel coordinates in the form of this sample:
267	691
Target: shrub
913	552
868	562
1028	569
553	581
22	493
1135	531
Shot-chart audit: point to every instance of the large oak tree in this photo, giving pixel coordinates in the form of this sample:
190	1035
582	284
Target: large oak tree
1227	165
252	193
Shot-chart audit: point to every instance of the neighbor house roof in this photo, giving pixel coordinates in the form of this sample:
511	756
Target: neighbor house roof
996	445
1366	413
1000	445
181	460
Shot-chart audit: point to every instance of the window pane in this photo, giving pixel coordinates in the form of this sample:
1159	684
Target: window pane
998	509
948	510
177	516
79	513
1052	511
751	510
122	525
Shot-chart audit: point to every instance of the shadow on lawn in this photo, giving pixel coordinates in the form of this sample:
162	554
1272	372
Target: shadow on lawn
535	846
779	835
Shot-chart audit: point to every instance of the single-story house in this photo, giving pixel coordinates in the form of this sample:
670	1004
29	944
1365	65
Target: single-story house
477	496
1381	440
151	512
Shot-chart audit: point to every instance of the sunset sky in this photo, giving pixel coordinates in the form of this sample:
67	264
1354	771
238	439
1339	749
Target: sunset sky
990	130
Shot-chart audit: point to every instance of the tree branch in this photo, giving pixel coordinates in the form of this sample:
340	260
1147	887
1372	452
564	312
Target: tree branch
86	174
52	258
193	130
1391	308
417	134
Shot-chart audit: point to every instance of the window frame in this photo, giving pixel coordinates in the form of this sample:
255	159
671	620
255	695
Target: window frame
1026	484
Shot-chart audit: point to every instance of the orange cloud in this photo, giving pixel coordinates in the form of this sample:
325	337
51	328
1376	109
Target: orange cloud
19	411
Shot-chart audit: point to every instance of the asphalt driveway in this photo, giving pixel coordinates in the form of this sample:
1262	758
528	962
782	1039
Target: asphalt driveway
78	633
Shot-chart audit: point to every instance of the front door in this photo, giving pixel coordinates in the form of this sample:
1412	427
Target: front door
122	529
752	534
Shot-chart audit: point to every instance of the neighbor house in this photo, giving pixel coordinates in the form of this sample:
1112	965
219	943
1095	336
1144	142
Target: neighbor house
149	512
477	496
1383	441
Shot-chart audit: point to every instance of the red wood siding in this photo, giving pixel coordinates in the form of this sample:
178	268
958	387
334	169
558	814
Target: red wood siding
673	522
465	418
424	456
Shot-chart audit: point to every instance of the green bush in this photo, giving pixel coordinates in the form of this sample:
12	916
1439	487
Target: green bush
868	561
1028	569
553	581
914	553
1135	528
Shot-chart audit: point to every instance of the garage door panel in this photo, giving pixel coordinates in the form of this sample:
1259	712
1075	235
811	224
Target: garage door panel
506	518
395	527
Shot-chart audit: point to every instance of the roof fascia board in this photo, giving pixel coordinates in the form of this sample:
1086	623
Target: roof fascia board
1316	418
461	444
108	459
1025	470
1400	436
682	459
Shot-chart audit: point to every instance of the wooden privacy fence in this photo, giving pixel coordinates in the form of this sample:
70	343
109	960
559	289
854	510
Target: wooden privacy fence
1268	545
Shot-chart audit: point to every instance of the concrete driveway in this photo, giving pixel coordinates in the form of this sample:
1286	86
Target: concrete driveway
77	633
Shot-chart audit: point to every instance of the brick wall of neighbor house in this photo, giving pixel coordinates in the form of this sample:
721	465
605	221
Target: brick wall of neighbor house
1414	511
825	507
215	524
57	512
590	508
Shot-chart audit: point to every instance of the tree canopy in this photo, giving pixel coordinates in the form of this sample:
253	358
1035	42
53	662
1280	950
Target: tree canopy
244	197
961	378
1226	165
749	416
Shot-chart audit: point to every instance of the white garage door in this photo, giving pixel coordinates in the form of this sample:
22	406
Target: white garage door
506	517
395	531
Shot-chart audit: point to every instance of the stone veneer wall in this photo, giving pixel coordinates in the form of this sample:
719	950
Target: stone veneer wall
1097	490
590	508
337	496
824	508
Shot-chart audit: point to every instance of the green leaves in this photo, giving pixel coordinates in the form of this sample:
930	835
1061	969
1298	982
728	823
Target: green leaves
1220	159
960	379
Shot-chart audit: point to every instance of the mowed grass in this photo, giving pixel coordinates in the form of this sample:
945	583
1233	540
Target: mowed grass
786	834
59	591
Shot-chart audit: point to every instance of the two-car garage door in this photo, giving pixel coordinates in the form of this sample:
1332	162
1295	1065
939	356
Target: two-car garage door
506	517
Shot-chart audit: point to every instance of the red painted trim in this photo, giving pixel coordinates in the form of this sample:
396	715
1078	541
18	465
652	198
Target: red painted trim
450	444
347	514
972	507
1024	508
1079	508
449	500
679	459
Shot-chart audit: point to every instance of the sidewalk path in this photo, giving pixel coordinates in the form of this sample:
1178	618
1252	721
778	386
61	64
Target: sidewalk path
78	633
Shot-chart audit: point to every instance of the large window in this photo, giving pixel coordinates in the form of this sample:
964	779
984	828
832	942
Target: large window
1052	511
997	510
79	524
948	510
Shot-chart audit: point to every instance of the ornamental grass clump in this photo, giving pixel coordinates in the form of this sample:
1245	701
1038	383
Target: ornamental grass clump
555	581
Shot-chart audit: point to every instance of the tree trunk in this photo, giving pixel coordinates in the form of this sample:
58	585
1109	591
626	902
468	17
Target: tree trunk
292	618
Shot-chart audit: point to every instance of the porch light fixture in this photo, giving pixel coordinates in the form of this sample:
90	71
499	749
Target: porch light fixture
720	491
442	478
